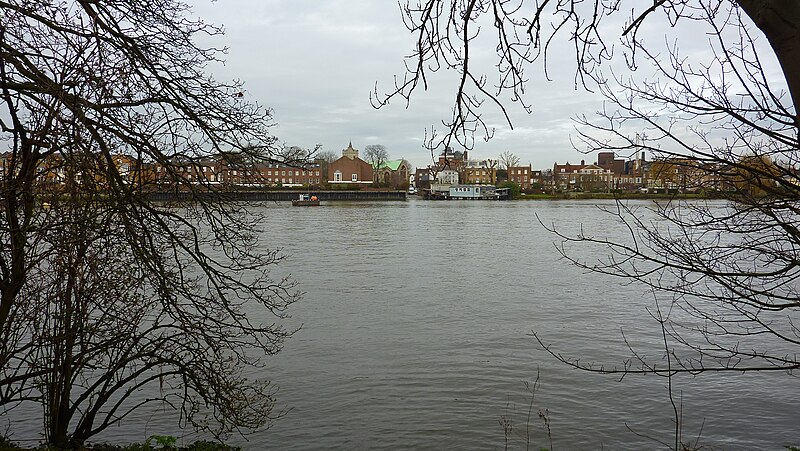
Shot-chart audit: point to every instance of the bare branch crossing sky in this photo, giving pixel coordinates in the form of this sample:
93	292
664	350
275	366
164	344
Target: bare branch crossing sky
315	62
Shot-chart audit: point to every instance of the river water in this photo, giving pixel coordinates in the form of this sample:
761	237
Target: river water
415	334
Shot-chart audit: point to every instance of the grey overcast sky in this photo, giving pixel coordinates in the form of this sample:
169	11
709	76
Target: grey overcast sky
314	62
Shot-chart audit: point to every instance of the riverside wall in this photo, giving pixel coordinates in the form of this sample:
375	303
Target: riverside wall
260	196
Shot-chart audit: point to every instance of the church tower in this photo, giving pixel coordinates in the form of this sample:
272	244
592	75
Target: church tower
350	152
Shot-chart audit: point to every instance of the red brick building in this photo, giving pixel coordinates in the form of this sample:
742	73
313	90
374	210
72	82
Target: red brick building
274	174
350	168
521	175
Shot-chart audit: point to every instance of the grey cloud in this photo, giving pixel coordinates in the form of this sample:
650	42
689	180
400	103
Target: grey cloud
315	63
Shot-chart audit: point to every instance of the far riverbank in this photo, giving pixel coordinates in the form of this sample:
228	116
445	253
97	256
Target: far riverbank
395	195
631	196
283	195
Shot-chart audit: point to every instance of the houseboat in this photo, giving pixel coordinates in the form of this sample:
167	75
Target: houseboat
473	192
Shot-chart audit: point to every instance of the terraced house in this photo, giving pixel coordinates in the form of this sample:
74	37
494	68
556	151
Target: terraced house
521	175
481	172
607	174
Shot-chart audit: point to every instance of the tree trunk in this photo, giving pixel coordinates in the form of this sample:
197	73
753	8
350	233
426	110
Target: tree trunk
779	20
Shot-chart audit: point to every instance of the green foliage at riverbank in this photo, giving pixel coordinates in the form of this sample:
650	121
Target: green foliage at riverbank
513	189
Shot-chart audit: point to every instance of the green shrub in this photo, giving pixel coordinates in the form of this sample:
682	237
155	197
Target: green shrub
513	188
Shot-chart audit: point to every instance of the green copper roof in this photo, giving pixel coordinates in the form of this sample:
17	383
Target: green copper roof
392	164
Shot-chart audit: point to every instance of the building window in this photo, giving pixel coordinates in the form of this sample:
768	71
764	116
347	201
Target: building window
354	177
337	176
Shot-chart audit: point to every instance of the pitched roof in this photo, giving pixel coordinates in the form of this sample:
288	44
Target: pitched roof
567	167
392	164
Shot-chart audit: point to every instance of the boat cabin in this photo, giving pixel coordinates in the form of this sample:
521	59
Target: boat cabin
473	192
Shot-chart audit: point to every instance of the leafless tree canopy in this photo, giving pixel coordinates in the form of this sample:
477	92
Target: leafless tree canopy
732	269
328	156
103	292
376	155
508	159
524	30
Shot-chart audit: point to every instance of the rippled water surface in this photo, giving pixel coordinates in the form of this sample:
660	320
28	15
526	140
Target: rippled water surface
416	327
416	335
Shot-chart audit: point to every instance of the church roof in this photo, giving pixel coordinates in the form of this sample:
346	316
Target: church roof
392	164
